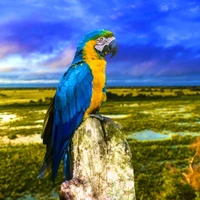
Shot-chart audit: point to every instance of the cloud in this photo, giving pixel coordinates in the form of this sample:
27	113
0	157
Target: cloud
7	81
159	81
9	48
155	60
157	39
36	35
10	69
63	60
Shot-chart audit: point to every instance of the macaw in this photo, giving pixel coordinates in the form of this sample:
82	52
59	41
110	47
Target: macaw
80	92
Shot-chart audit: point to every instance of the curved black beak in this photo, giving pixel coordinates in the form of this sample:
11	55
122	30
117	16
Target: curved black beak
111	48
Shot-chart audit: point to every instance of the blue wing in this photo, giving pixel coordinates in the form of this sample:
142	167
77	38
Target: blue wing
71	100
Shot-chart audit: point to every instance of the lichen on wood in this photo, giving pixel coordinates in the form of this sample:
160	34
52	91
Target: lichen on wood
102	167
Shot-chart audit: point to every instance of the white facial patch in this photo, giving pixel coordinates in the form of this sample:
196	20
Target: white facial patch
102	42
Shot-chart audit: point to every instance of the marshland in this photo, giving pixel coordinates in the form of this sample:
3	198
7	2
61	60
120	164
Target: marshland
160	124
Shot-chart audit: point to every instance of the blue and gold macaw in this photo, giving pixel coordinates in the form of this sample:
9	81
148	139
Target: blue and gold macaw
80	92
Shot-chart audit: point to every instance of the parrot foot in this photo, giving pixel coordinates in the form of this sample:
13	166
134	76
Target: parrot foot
99	117
103	120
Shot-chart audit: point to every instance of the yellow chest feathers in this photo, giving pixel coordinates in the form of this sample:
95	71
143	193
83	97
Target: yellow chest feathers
97	66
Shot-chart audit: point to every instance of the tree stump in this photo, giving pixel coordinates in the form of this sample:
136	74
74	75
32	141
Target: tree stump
102	167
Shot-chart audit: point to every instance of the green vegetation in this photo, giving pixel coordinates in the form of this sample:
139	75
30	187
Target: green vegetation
144	93
19	170
152	162
25	96
158	165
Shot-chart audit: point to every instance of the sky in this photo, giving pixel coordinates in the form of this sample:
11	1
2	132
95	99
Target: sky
159	41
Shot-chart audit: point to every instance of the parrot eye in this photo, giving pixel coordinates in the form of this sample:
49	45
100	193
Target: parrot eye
100	40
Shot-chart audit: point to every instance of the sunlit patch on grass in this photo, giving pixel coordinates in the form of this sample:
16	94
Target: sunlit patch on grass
118	116
129	105
190	124
6	117
38	111
20	139
39	121
187	115
25	127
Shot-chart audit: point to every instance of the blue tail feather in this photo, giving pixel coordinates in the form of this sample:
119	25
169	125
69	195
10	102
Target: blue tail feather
61	144
67	163
72	99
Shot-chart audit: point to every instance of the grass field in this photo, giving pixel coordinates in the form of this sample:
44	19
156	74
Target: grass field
24	96
20	96
155	91
168	111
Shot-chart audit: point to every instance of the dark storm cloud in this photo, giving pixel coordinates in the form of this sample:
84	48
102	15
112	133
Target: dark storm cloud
146	52
38	35
140	60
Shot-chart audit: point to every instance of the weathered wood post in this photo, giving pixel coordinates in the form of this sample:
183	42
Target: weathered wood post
102	164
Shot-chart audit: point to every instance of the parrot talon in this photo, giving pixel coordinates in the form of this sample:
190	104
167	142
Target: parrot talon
102	120
99	117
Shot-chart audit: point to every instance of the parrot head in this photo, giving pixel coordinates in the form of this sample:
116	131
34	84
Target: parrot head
102	41
106	43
